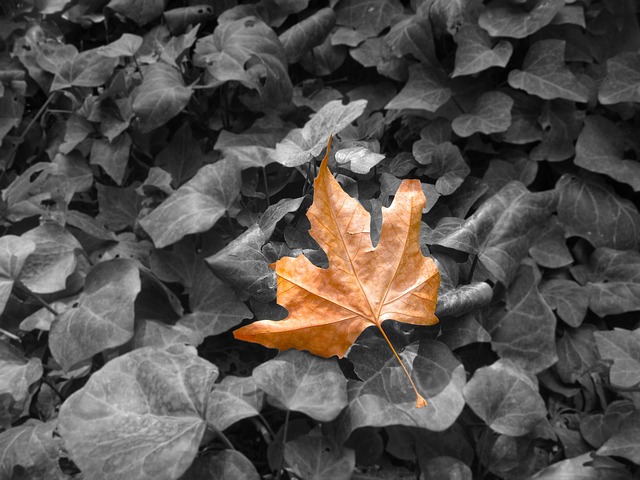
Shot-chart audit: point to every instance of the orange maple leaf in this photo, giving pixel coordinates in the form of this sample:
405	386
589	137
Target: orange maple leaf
363	286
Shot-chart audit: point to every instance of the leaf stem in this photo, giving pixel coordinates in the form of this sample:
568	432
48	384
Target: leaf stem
266	185
284	440
44	106
420	400
10	335
22	287
222	437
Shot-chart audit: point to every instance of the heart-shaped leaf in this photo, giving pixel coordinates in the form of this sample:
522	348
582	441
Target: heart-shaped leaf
506	398
32	448
476	53
504	18
427	89
103	317
299	381
568	298
306	34
13	255
152	400
490	114
625	442
622	80
232	400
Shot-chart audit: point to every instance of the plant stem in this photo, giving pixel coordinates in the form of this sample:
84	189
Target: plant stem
9	334
420	400
222	437
284	440
44	106
21	286
266	185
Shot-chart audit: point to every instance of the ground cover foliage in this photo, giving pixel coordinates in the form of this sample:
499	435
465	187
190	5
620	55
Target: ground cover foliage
157	156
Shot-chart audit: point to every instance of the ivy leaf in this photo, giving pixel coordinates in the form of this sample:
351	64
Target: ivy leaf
54	259
368	16
443	467
506	398
314	456
447	15
490	114
247	50
112	156
103	317
550	248
84	69
569	299
118	207
140	11
34	449
613	285
303	382
13	255
622	80
308	33
427	89
525	333
232	400
17	375
196	206
182	158
504	18
125	46
624	443
475	53
545	74
562	123
302	144
592	210
161	96
224	464
358	159
11	110
600	148
443	162
150	399
577	353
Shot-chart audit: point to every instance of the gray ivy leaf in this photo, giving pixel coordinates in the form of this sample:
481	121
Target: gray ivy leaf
507	456
502	18
54	259
622	83
625	443
577	353
383	395
297	380
308	33
412	36
112	156
11	111
524	126
569	299
315	457
232	400
179	19
463	299
613	281
14	252
152	333
550	248
17	375
250	149
427	89
182	158
140	11
593	211
368	16
103	317
461	331
125	46
506	398
162	95
576	467
246	50
222	465
196	206
84	69
118	207
525	333
499	232
445	468
444	162
545	74
324	59
153	401
511	168
302	144
475	52
358	159
34	448
600	148
623	348
562	123
490	114
598	428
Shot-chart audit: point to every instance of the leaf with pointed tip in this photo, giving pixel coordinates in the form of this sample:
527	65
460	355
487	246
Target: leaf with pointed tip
33	448
47	268
504	18
13	255
182	158
17	374
11	111
575	468
545	74
577	353
626	442
475	52
500	230
506	398
358	159
622	83
427	89
232	400
381	397
446	165
104	315
315	457
153	401
525	333
613	281
113	156
305	383
600	148
151	333
490	114
302	144
550	248
462	331
162	95
568	298
306	34
196	206
125	46
593	211
118	207
85	69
